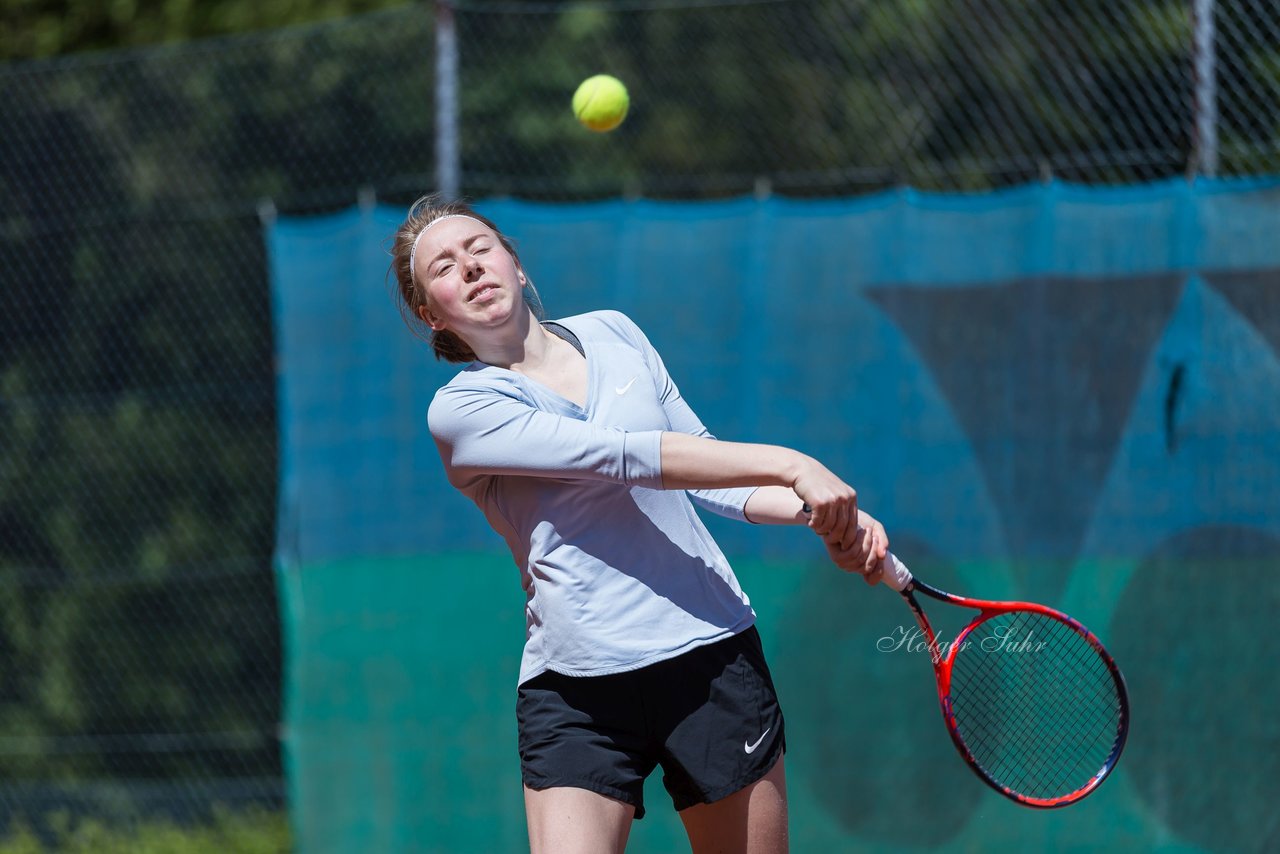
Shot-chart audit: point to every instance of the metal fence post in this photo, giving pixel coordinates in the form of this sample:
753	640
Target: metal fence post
1206	83
448	165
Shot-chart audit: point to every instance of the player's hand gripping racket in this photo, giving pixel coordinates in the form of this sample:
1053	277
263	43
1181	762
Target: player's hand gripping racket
1033	701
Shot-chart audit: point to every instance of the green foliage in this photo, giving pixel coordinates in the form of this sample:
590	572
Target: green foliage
247	832
40	28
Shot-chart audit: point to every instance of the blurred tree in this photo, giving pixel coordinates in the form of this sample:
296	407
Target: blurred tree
137	391
42	28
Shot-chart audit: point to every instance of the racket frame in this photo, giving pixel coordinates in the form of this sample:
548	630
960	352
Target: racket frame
942	665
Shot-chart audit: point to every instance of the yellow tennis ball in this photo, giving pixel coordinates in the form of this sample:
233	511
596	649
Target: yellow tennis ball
601	102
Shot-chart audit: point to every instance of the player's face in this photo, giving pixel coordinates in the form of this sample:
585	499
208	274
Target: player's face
471	280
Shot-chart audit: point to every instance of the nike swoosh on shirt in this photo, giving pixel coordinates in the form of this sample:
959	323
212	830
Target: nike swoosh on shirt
623	389
751	748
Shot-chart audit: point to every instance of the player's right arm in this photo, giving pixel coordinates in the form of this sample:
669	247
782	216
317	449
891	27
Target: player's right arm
481	431
784	480
695	462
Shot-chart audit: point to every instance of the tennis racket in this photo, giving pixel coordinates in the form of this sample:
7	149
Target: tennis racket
1030	697
1032	700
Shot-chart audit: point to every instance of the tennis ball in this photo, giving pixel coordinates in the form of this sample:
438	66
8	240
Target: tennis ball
601	102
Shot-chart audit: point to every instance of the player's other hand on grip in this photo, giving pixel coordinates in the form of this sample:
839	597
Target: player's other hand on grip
866	554
831	504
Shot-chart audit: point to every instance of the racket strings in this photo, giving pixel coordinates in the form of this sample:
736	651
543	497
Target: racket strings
1035	704
1000	737
1056	741
1000	741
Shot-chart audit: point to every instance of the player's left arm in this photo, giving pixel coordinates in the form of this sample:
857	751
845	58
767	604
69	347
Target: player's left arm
775	505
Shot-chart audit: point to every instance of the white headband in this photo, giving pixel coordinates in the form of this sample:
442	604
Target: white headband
414	251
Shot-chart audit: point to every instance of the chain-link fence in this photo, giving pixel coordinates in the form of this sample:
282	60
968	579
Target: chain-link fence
842	97
141	654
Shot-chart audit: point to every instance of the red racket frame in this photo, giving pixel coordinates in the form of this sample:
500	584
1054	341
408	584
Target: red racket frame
942	665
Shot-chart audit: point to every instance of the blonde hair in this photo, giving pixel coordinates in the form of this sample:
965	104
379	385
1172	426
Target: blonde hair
413	299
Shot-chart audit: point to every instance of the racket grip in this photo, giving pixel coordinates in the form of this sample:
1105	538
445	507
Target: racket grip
895	572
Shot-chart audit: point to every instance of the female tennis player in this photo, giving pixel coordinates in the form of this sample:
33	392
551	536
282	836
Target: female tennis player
641	648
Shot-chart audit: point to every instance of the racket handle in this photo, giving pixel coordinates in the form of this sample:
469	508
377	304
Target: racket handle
895	572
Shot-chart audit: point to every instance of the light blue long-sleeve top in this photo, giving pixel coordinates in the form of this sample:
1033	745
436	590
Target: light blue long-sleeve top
618	573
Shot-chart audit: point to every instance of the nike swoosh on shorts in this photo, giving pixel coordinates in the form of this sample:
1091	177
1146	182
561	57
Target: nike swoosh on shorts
751	748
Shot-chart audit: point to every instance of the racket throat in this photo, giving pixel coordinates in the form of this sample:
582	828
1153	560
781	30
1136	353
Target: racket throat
936	653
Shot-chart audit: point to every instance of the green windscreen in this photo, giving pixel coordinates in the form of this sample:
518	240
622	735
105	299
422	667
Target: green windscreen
1055	393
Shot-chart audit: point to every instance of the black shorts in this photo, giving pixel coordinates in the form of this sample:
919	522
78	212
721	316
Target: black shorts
709	717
